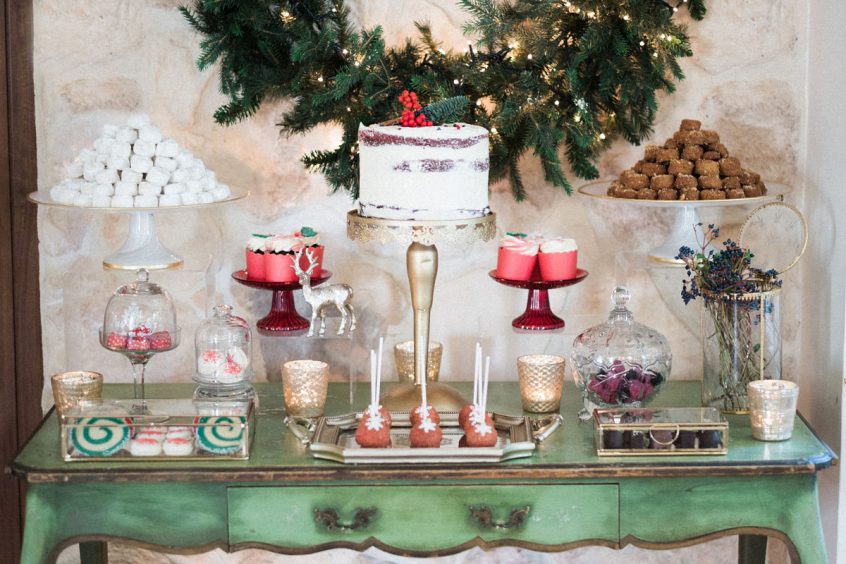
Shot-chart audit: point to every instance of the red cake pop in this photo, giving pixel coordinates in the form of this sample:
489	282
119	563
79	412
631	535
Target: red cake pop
426	434
374	429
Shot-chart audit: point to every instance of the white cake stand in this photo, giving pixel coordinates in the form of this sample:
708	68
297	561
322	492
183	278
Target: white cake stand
142	248
687	215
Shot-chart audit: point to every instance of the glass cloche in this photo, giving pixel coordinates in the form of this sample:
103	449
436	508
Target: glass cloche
224	357
620	362
140	321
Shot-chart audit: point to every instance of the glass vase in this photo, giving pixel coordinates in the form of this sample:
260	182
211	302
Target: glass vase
741	342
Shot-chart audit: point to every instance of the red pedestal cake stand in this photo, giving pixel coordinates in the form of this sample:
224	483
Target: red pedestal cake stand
283	318
538	316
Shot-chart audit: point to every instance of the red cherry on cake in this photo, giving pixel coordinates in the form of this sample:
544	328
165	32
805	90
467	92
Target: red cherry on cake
116	341
161	340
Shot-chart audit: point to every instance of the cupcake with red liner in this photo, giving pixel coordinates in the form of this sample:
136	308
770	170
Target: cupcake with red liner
517	257
255	257
279	258
310	240
557	259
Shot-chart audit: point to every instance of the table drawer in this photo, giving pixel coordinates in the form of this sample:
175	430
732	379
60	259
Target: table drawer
422	517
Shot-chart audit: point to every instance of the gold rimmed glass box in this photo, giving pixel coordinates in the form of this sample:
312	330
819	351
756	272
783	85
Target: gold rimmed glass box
661	431
170	429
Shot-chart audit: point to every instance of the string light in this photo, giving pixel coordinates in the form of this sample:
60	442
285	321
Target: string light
479	102
529	56
557	103
441	51
602	136
456	81
319	79
493	130
349	109
642	43
345	52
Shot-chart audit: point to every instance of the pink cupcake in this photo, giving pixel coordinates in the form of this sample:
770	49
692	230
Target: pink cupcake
279	258
255	257
311	242
557	258
517	257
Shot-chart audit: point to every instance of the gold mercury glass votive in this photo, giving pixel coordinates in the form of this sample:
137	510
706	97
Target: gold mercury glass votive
304	386
541	382
772	409
71	388
404	357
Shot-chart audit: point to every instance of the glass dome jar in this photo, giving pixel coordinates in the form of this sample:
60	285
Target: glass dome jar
620	362
224	357
140	321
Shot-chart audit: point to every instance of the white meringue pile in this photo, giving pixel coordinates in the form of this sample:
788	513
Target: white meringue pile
135	166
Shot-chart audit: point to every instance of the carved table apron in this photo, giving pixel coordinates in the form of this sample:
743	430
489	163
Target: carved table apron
563	497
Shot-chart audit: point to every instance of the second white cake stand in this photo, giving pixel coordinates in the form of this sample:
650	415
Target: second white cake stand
687	215
142	248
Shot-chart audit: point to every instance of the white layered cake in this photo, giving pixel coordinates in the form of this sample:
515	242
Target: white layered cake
423	173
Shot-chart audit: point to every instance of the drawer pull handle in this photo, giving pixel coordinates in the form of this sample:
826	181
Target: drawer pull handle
484	517
332	522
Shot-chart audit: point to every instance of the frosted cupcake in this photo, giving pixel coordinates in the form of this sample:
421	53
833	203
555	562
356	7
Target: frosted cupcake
558	259
279	258
255	257
311	242
517	257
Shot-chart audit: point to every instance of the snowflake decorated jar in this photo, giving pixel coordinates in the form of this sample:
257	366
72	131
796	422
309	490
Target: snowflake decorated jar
140	320
620	362
223	346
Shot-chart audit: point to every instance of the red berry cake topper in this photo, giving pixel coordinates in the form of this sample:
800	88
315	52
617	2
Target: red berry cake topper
443	111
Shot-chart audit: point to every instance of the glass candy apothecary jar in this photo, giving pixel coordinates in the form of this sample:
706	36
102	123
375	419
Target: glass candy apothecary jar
140	321
224	357
620	362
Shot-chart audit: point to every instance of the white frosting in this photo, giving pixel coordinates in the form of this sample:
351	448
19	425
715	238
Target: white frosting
374	422
146	446
427	425
283	244
559	245
233	367
402	177
179	447
257	244
208	362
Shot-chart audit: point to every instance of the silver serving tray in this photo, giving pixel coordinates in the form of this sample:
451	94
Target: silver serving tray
334	439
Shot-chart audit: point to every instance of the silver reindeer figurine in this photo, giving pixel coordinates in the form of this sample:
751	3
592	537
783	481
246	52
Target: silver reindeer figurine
338	295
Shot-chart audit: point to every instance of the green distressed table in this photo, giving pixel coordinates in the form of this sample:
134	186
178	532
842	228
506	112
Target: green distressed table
563	497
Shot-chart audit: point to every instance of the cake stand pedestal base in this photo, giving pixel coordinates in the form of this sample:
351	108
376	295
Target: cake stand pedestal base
538	315
421	261
142	248
283	318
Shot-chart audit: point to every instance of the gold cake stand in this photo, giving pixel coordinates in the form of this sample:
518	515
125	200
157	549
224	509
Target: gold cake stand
422	266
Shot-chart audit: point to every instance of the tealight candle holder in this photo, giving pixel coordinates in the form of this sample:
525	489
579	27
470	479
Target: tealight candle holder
772	409
541	382
304	387
72	388
404	357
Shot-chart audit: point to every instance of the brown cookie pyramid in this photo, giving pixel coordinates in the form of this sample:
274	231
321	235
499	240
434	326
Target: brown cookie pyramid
691	165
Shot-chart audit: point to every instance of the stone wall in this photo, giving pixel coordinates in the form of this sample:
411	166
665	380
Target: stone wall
98	60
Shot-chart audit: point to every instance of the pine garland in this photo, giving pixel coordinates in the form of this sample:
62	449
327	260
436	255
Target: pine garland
542	76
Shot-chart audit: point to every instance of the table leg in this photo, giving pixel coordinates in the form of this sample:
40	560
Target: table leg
94	552
752	549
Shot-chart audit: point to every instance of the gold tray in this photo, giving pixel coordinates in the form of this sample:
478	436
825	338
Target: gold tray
334	439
